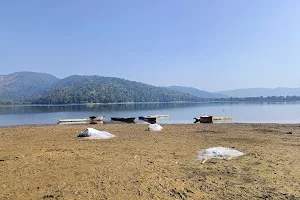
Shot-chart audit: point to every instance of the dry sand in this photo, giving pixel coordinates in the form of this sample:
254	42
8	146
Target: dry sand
49	162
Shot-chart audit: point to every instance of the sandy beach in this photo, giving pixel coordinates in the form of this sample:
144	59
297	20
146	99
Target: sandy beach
50	162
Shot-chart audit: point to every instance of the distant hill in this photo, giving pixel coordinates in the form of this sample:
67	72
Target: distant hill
264	92
198	93
24	85
98	89
41	88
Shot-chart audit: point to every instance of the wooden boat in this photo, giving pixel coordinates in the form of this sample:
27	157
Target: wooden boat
221	118
157	116
122	119
204	119
91	118
149	119
80	123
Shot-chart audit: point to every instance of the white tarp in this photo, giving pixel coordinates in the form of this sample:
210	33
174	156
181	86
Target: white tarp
92	133
155	127
218	153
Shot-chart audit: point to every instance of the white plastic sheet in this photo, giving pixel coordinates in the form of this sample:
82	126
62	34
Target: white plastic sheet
155	127
92	133
218	153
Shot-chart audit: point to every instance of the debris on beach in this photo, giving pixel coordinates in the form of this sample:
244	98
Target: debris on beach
289	133
218	153
155	127
92	133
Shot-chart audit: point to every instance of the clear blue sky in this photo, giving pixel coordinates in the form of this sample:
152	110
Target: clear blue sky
210	44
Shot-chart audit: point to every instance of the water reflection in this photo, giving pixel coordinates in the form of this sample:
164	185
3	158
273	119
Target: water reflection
98	108
31	109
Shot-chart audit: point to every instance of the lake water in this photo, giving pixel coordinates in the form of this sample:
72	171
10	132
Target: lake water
280	112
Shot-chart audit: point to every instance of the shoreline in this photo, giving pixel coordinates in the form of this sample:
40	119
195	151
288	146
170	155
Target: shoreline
38	162
145	123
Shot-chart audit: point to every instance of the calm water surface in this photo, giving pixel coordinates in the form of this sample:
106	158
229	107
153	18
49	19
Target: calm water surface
281	112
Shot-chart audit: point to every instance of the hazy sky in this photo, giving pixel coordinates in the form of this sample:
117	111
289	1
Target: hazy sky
210	44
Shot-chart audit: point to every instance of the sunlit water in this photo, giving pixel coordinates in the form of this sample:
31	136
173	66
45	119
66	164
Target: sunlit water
180	113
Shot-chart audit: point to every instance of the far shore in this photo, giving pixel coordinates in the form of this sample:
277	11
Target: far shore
204	101
41	162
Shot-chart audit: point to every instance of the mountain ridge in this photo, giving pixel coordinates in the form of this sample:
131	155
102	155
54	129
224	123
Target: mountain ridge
198	93
41	88
24	85
99	89
35	87
264	92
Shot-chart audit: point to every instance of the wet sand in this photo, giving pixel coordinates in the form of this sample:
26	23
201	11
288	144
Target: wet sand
50	162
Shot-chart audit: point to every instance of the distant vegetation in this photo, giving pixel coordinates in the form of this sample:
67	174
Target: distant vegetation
13	102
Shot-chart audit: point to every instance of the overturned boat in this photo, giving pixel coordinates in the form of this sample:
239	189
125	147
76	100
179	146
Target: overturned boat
152	118
122	119
204	119
149	119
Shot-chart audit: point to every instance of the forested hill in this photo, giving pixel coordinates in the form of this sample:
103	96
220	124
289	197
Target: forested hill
24	85
98	89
